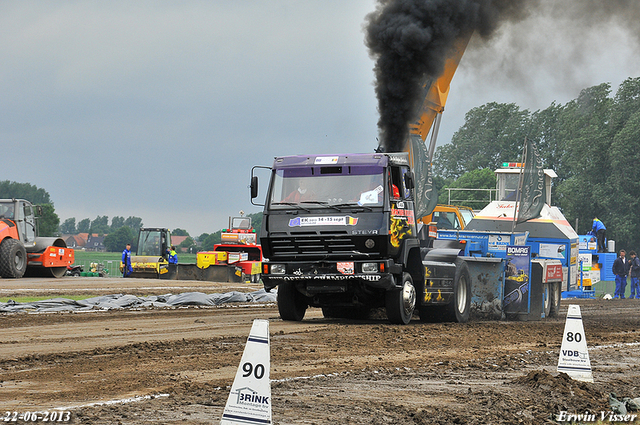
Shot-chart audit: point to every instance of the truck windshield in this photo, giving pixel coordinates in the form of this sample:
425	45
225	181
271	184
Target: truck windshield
361	188
467	215
6	210
510	187
150	243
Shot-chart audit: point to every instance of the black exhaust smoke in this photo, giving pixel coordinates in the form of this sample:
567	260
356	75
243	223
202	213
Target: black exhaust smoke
410	41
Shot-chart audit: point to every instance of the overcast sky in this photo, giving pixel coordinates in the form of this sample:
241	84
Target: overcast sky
159	109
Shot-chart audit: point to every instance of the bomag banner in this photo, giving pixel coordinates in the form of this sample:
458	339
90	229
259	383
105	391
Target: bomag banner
517	286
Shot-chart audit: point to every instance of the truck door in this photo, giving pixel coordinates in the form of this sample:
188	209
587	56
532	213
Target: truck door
26	223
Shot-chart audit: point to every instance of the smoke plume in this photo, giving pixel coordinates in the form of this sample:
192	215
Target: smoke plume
410	41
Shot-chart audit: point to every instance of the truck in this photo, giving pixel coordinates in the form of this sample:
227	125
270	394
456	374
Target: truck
352	244
348	240
22	251
351	232
237	258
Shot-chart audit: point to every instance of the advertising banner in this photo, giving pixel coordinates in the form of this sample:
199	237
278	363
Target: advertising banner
517	285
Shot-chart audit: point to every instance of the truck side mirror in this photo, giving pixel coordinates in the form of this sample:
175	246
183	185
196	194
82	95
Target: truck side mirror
408	180
254	186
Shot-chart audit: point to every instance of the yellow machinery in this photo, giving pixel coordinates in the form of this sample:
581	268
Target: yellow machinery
449	217
151	258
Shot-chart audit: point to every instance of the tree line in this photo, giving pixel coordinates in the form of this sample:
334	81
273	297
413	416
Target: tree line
116	234
591	142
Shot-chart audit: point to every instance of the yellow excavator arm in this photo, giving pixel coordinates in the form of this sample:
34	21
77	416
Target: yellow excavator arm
435	97
420	157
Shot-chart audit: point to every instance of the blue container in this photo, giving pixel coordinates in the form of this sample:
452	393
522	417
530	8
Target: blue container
579	293
606	259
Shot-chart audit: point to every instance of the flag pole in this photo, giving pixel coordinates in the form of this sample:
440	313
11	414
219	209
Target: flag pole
519	192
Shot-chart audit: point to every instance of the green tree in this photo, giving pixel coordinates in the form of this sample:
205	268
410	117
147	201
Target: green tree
492	133
68	227
84	225
256	223
211	240
31	193
100	225
116	241
179	232
134	223
587	139
187	244
623	184
476	179
49	222
116	223
546	133
626	103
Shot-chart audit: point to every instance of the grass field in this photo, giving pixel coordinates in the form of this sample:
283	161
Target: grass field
111	260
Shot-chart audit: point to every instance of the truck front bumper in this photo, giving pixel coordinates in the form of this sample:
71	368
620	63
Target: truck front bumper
330	277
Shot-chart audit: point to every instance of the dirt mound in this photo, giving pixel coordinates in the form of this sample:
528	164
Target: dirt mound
562	393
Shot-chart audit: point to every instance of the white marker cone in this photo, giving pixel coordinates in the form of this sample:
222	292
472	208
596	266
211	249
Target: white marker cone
250	398
574	357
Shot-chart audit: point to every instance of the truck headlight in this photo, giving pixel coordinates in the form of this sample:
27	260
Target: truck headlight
369	267
277	268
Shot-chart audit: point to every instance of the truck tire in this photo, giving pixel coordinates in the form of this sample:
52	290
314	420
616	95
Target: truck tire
291	303
556	296
13	259
547	295
400	302
460	306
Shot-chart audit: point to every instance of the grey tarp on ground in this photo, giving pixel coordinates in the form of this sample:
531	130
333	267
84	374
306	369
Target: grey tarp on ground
120	301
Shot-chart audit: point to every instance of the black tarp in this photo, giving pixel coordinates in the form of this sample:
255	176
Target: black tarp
120	301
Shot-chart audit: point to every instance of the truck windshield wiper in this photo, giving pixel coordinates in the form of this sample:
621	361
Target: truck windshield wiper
353	205
323	203
291	204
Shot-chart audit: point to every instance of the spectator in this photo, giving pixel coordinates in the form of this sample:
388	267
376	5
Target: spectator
620	269
634	275
126	261
173	255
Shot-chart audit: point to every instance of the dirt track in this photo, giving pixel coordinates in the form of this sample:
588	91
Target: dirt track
324	371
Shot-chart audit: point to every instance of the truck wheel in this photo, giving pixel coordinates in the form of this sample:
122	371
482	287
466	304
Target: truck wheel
400	302
291	303
460	305
13	259
546	293
556	296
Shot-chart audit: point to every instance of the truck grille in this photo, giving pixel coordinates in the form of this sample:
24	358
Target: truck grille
312	245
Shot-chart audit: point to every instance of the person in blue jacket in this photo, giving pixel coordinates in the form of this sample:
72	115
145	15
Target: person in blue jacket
600	231
126	261
173	255
620	269
634	275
